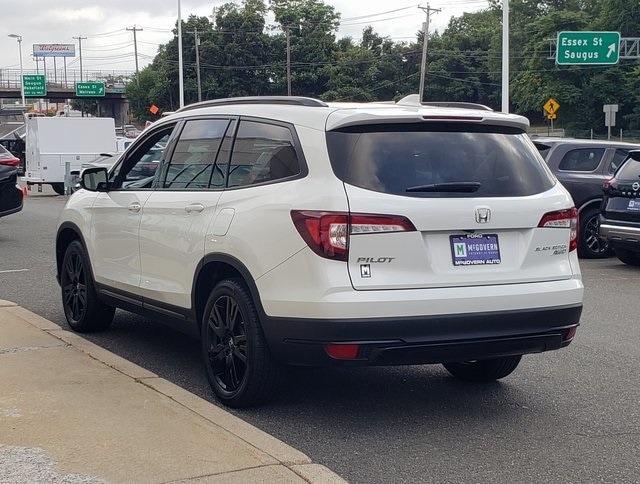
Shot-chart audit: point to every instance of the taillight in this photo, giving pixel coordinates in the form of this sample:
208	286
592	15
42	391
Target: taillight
327	233
10	161
563	219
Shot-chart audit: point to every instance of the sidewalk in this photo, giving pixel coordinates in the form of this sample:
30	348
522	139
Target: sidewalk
72	412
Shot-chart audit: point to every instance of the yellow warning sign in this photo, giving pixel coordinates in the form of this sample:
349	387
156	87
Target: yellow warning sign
551	106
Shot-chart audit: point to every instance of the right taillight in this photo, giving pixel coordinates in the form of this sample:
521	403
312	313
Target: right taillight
563	219
327	233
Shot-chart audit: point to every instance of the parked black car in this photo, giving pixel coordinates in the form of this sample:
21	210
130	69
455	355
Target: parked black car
620	211
10	193
582	166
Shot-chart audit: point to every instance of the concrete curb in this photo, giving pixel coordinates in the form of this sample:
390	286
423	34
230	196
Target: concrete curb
286	455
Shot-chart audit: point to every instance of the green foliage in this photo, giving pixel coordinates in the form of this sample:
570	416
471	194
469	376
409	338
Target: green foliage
241	54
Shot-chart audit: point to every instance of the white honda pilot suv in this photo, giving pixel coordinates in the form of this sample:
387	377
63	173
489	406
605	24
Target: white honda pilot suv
288	230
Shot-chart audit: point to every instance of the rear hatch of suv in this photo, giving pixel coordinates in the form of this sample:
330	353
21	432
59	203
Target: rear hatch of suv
450	201
621	204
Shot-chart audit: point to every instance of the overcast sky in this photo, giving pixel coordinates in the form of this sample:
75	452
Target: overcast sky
109	46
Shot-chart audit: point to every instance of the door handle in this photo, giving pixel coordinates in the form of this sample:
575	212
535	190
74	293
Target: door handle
194	207
134	207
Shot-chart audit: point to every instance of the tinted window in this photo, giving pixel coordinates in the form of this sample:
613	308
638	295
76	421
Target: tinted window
618	157
583	159
261	153
394	158
192	163
629	171
139	168
543	149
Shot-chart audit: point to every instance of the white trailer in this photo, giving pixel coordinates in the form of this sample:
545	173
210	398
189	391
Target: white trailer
57	147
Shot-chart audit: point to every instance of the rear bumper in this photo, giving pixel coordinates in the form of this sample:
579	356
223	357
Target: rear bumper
619	233
419	340
11	201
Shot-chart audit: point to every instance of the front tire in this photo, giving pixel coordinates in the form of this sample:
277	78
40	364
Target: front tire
83	309
484	370
58	188
590	244
628	256
240	368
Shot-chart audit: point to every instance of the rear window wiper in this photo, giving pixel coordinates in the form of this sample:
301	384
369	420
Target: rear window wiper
461	187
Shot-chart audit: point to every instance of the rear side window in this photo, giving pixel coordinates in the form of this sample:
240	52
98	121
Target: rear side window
262	152
192	164
443	160
618	157
583	159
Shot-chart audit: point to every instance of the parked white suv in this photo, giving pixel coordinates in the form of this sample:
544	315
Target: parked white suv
287	230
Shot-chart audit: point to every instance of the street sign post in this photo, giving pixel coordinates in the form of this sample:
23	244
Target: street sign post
592	48
609	111
34	85
90	89
551	106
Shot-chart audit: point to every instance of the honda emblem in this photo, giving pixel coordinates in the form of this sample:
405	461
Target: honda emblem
483	215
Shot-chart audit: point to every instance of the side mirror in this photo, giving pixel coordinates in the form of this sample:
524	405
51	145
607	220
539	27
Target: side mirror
94	179
634	155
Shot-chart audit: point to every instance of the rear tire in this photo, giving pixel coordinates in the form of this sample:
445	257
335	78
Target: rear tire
240	368
484	370
84	311
628	256
58	188
590	244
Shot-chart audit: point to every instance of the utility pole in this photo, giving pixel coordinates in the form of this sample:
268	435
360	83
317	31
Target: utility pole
80	38
423	66
197	44
135	29
288	35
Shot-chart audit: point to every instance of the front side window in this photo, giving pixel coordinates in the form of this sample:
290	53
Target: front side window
193	162
262	153
444	160
138	169
583	159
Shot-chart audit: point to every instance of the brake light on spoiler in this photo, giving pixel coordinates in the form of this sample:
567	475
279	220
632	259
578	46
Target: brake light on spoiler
563	219
327	233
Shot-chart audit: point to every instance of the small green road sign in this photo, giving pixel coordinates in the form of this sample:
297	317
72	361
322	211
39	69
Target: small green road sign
591	48
89	89
34	85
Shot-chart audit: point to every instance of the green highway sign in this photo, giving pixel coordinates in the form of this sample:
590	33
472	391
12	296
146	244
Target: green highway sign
89	89
590	48
34	85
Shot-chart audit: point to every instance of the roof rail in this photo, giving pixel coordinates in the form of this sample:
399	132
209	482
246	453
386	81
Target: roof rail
414	100
287	100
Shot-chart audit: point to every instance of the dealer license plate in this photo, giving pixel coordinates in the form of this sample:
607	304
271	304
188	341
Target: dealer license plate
475	249
634	204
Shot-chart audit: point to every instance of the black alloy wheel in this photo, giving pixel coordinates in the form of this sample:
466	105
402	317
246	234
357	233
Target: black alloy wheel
82	307
590	244
239	365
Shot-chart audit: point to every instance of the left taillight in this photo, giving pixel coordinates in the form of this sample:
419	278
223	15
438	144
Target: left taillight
327	233
563	219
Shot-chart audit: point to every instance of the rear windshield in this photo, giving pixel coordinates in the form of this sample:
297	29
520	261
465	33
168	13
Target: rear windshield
630	170
444	160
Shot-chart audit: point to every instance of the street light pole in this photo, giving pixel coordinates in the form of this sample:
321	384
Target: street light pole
505	56
19	39
180	65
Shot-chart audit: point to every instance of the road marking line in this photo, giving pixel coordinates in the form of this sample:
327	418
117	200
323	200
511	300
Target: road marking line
14	270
